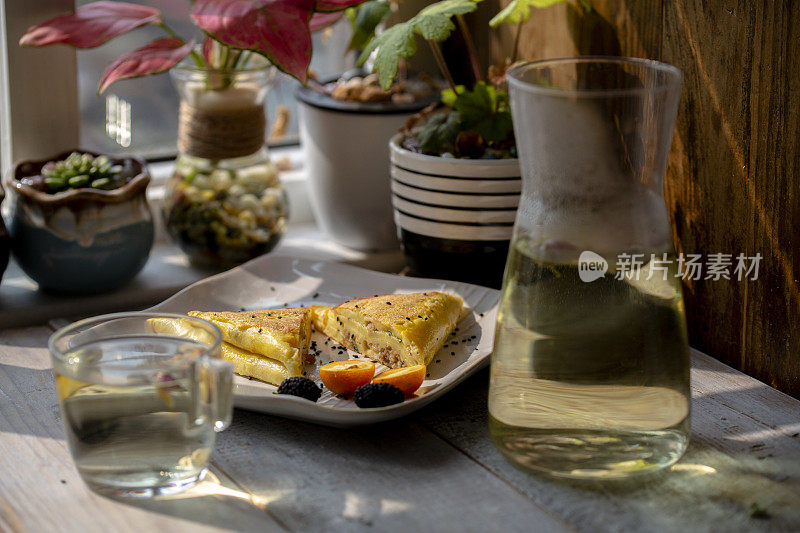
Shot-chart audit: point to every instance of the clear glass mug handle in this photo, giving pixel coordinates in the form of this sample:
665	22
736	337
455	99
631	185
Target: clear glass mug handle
214	393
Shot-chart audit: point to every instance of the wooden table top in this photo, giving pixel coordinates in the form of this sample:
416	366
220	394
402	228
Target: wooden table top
436	470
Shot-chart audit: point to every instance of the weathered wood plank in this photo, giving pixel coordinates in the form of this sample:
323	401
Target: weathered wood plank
772	305
40	490
391	477
742	457
610	27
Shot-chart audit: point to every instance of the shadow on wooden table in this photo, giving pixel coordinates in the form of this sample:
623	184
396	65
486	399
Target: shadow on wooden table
212	503
737	471
312	475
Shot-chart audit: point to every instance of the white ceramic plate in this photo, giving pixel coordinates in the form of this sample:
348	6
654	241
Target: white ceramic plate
275	281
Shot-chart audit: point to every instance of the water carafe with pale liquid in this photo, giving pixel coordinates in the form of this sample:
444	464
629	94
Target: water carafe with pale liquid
590	369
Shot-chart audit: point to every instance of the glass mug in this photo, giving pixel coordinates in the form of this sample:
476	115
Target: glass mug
590	370
141	409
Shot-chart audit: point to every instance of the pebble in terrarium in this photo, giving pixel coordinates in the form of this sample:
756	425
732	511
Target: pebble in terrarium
221	216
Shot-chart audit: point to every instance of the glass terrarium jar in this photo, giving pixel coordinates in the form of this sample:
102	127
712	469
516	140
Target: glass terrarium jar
224	203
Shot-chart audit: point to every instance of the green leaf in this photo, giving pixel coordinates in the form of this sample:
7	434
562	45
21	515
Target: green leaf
449	8
364	19
439	132
495	127
396	42
432	23
519	11
449	96
435	28
482	109
477	103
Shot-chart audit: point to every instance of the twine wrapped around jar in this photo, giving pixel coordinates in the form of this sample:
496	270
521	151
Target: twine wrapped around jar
221	133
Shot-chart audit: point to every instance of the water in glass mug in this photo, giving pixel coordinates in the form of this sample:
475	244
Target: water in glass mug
589	379
132	421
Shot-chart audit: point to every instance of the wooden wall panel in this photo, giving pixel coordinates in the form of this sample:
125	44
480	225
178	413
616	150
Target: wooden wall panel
733	183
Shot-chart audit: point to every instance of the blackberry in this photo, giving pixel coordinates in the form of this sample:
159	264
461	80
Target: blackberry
300	386
377	395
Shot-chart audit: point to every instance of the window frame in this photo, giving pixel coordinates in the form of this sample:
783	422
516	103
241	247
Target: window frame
39	113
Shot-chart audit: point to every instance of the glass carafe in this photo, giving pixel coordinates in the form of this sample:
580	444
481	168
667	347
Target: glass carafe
224	203
590	370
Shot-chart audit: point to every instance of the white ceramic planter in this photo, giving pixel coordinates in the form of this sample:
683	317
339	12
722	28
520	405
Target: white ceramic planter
347	155
454	216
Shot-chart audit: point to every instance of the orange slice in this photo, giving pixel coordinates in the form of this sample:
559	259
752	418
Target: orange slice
408	379
344	377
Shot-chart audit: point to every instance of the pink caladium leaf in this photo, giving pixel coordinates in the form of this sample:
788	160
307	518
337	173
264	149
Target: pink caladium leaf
320	21
277	29
335	5
153	58
91	25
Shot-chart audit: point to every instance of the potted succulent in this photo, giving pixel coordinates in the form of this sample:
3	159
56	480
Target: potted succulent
80	222
455	177
224	203
345	123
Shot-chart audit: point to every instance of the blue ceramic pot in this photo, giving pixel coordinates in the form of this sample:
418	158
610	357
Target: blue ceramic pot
81	240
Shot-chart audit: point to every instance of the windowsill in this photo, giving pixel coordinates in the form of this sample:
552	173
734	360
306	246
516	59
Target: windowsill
168	270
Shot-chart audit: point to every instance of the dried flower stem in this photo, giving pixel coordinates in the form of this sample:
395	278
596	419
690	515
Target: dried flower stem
473	54
515	52
437	54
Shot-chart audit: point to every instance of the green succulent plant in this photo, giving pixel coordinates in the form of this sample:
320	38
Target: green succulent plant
477	121
81	171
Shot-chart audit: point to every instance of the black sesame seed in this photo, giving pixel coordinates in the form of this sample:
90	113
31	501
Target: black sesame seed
438	360
452	353
315	295
388	303
259	330
240	309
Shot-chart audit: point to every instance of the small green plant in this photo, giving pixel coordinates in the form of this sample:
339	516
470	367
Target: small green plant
81	171
476	122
